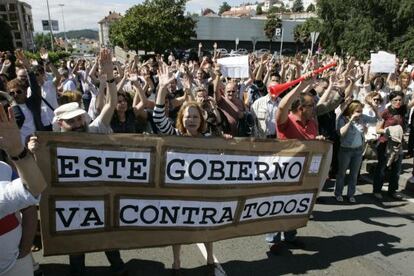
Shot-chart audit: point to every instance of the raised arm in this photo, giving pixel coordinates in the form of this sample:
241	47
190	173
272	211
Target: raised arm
111	95
10	141
286	102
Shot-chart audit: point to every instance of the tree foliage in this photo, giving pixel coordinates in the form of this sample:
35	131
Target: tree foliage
272	22
311	8
359	26
298	6
224	7
154	25
301	33
259	10
6	38
42	40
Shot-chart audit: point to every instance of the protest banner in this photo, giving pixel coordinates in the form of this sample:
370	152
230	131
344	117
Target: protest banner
234	67
124	191
383	62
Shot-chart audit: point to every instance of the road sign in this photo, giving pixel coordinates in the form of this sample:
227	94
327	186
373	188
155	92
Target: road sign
46	27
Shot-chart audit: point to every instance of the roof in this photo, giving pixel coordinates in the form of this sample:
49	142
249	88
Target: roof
113	16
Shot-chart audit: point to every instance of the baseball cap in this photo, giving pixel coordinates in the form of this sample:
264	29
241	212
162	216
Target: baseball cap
69	111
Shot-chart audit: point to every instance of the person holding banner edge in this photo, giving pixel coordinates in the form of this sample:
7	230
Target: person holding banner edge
16	195
70	117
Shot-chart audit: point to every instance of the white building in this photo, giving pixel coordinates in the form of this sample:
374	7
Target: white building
84	46
104	26
19	17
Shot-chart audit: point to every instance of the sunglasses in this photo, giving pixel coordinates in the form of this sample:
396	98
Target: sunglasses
377	100
14	93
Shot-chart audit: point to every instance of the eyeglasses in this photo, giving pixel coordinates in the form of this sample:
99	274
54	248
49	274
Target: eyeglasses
14	93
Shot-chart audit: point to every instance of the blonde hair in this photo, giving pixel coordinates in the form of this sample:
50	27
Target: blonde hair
180	124
70	96
352	106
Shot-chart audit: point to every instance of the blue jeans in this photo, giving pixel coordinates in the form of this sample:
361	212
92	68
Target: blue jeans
349	158
394	170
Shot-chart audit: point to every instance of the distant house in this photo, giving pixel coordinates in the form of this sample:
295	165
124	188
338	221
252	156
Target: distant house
104	26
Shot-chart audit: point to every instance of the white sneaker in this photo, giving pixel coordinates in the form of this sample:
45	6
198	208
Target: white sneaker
339	198
411	180
352	199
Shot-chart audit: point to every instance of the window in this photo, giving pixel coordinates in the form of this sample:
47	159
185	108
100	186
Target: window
13	16
17	35
2	7
19	44
12	7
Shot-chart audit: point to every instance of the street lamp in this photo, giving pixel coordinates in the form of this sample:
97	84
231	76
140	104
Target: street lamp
50	25
64	27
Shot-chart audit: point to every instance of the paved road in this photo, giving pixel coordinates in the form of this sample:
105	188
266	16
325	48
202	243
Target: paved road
366	238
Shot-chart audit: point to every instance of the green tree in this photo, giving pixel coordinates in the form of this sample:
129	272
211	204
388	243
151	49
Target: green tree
155	25
6	38
301	33
311	8
272	22
259	10
298	6
358	26
224	7
42	40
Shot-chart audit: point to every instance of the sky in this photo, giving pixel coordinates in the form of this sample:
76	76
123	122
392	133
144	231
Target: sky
84	14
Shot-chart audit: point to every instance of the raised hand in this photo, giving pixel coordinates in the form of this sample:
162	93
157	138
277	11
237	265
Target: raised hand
164	76
44	54
105	59
22	57
9	133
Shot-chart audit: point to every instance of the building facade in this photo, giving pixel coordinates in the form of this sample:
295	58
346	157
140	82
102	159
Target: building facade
104	26
18	15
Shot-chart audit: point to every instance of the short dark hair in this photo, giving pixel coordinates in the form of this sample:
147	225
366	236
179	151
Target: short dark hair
394	94
301	101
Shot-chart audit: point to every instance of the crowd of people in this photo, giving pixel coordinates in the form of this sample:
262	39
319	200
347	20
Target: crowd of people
364	115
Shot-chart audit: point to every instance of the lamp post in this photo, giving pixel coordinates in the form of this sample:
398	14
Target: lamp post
64	28
50	25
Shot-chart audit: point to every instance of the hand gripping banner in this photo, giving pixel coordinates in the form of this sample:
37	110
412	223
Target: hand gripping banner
124	191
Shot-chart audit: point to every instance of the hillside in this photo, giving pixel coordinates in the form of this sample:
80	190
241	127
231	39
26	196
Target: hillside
86	33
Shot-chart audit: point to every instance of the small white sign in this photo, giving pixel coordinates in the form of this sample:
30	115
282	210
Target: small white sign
315	164
172	213
276	206
383	62
234	67
79	214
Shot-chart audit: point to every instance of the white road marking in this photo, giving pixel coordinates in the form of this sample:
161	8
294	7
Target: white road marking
219	269
410	200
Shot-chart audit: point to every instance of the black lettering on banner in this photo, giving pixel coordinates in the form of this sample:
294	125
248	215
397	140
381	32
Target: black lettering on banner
219	170
66	166
191	166
91	215
291	175
305	204
275	204
62	218
180	173
98	170
122	214
227	215
115	162
244	170
261	171
208	213
143	211
287	211
249	209
262	214
136	165
231	177
165	211
280	171
190	214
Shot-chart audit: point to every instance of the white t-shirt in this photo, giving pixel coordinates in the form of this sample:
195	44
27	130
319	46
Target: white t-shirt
50	95
69	85
28	127
13	197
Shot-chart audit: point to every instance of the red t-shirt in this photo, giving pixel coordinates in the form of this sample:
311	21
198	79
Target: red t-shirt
393	117
294	128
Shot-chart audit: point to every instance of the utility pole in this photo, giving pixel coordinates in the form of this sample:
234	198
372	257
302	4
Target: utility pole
64	28
50	26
